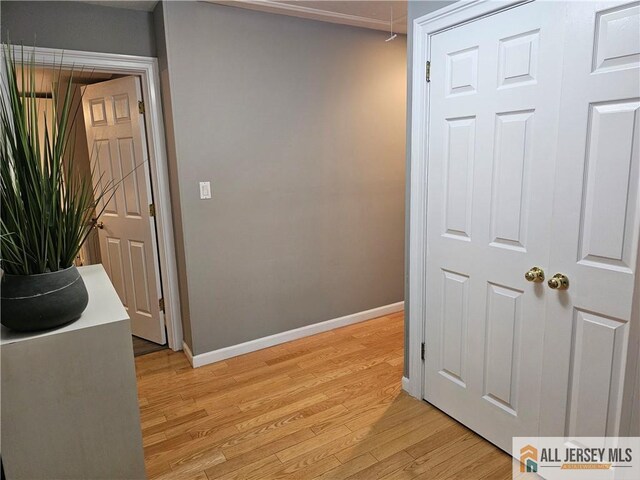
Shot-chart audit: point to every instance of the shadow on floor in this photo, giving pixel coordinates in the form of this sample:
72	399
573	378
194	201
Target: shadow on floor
142	346
408	438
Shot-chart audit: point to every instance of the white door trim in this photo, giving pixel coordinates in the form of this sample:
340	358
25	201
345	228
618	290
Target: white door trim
423	28
147	69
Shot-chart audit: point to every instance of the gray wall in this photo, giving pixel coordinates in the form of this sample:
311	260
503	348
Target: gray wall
415	9
300	127
78	26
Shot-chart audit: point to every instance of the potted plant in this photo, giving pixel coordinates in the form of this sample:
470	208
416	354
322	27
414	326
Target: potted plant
47	207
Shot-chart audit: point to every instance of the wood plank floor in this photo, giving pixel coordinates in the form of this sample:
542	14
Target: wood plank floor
325	407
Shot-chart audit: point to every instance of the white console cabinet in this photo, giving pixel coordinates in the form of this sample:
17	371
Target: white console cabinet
69	398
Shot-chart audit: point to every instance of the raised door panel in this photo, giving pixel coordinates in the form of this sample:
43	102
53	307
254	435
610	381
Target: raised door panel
454	320
502	347
107	170
596	374
115	268
609	225
511	165
138	266
121	109
460	151
131	190
518	60
98	112
462	72
617	38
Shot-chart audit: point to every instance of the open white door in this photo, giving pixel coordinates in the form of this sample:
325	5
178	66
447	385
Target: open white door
533	161
118	150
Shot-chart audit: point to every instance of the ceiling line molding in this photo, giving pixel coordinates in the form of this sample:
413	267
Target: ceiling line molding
273	6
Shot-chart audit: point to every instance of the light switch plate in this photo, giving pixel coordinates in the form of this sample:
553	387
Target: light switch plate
205	190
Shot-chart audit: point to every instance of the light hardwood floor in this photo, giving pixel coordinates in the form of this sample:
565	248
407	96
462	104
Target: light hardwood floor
324	407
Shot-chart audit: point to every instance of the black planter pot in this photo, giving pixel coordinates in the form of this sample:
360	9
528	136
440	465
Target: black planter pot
38	302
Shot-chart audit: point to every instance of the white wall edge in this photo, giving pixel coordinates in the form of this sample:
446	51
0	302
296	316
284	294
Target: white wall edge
413	388
405	385
278	338
187	352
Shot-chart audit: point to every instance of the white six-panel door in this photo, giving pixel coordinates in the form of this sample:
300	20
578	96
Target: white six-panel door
532	161
596	221
494	91
115	136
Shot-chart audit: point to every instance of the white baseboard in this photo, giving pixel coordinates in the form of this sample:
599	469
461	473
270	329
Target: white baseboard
278	338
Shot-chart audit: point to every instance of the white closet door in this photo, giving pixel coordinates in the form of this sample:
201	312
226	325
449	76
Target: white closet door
596	215
493	124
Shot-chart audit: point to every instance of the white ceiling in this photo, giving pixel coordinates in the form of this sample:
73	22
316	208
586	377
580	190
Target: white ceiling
374	14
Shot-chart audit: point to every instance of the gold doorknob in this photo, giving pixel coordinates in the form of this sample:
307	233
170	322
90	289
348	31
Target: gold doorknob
535	274
558	282
97	224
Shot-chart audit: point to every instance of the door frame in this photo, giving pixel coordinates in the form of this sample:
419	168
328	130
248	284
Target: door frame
423	29
146	68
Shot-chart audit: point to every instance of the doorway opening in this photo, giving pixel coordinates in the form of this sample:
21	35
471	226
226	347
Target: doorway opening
108	145
118	136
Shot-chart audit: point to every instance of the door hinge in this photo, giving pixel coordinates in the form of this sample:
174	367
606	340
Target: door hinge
161	304
140	106
422	351
152	210
427	69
